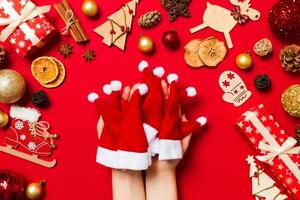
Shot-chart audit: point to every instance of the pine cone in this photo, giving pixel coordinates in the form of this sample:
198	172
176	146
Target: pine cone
290	58
2	55
149	19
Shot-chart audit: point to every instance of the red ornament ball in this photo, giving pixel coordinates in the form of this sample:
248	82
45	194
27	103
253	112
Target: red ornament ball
170	39
12	186
284	19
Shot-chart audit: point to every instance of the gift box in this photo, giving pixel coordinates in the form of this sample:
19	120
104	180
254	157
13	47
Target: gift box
24	26
273	146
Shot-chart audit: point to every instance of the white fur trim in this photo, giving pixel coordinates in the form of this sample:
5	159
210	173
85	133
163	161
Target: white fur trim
107	89
150	132
170	149
202	120
133	160
191	91
26	114
116	85
143	89
154	147
107	157
159	71
143	64
92	97
172	77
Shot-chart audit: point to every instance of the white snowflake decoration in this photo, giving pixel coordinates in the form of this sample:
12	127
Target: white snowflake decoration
23	137
31	145
294	190
4	185
249	129
289	181
19	125
252	140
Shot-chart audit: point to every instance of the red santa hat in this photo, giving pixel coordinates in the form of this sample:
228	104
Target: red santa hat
189	127
107	152
153	103
170	133
133	148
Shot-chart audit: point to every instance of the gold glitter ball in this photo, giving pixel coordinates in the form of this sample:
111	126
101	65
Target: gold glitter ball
290	100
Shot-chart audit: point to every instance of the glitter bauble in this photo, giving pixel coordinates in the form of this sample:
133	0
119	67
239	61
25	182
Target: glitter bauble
290	100
12	186
284	19
12	86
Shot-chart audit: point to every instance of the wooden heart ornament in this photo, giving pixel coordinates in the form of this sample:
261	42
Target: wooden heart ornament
235	90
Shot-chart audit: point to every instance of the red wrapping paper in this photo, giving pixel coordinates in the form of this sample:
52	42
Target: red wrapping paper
39	25
278	167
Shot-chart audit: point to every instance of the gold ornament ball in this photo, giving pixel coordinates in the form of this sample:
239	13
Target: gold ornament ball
34	190
244	60
3	119
145	44
290	100
89	8
12	86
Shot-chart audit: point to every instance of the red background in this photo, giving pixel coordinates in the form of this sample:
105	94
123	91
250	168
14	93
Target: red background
214	167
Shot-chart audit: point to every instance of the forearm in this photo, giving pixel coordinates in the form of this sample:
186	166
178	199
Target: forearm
161	185
128	184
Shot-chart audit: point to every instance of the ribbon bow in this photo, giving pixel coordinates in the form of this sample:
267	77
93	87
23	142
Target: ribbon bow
28	12
288	147
69	22
41	129
241	18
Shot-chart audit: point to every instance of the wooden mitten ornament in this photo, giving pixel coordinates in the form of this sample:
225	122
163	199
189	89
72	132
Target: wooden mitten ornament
223	20
114	31
28	138
235	90
263	186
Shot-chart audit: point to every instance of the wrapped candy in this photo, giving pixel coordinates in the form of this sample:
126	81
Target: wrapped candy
273	147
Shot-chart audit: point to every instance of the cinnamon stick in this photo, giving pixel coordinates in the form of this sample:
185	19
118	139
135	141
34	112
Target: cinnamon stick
75	28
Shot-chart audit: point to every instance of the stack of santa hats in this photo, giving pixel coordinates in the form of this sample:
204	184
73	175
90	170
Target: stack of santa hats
149	123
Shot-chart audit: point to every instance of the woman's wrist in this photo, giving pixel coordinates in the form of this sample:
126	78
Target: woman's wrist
128	184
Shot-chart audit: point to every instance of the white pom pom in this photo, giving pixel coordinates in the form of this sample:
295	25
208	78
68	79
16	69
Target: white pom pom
116	85
202	120
107	89
143	64
191	91
172	77
159	71
143	89
92	97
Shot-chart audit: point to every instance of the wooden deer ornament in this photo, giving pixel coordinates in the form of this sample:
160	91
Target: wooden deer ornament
223	20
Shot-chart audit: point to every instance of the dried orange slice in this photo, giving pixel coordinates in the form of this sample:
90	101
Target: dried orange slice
61	75
44	70
212	51
191	56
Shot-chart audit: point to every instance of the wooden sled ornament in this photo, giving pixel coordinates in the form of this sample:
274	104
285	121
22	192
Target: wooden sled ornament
32	158
223	20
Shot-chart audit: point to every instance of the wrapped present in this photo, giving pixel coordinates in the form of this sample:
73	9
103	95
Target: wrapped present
273	147
24	26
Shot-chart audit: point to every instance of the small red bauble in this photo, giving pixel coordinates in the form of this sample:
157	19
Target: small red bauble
284	19
11	186
170	39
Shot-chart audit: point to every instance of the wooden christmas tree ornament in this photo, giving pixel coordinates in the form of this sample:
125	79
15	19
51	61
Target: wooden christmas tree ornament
114	31
223	20
263	186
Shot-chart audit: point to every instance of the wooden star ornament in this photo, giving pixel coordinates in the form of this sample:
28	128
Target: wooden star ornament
176	8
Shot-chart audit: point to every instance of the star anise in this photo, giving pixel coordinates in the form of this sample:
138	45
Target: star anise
66	50
89	55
